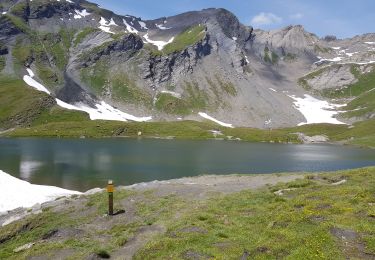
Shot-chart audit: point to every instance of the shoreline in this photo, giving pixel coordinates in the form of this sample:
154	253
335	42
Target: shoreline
202	185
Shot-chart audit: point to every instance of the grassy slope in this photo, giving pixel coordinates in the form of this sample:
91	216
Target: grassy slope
363	103
360	134
304	223
22	105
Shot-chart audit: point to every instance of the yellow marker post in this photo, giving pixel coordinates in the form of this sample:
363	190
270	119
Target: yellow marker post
110	190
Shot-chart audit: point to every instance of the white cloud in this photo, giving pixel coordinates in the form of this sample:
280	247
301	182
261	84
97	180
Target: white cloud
296	16
265	19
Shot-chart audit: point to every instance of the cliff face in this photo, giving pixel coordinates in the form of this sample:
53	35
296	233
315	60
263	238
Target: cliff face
175	67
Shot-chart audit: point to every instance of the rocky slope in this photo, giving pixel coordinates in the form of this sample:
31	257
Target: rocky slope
172	68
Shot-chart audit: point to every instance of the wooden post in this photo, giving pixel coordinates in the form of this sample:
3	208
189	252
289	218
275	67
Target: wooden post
110	190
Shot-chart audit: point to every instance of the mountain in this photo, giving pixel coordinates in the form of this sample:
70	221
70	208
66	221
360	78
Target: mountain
197	65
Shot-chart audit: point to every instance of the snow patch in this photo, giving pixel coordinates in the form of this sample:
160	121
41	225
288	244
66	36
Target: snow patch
102	111
162	27
159	44
4	13
274	90
17	193
143	25
104	25
371	43
79	14
204	115
234	38
172	93
129	28
33	83
315	110
112	22
336	48
70	1
336	59
247	60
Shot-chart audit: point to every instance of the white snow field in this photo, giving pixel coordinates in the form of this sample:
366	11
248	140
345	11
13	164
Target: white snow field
159	44
204	115
17	193
102	110
315	110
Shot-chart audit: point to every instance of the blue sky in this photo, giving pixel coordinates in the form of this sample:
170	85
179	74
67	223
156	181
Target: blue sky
343	18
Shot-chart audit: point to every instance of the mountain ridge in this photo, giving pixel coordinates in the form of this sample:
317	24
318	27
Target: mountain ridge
175	67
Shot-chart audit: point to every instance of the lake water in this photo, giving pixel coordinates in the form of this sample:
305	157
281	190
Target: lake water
82	164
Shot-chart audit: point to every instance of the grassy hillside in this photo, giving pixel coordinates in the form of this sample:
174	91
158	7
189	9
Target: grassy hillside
23	106
311	218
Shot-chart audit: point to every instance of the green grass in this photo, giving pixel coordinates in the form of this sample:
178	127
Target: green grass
196	97
2	63
187	38
20	105
226	86
362	105
23	106
22	52
96	76
124	88
171	105
262	225
365	83
83	34
259	224
18	23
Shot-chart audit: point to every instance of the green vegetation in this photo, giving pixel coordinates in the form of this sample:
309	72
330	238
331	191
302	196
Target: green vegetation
187	38
2	63
125	89
320	49
361	106
228	87
24	106
96	76
17	22
20	106
172	105
19	9
183	40
49	51
196	97
308	221
21	53
270	56
122	87
305	223
366	82
83	34
290	57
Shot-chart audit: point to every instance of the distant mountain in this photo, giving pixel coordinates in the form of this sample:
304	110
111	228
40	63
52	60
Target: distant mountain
185	66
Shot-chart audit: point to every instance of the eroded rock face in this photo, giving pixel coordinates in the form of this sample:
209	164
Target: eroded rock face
334	77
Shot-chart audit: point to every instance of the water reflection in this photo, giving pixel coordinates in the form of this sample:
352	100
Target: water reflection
84	164
27	168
